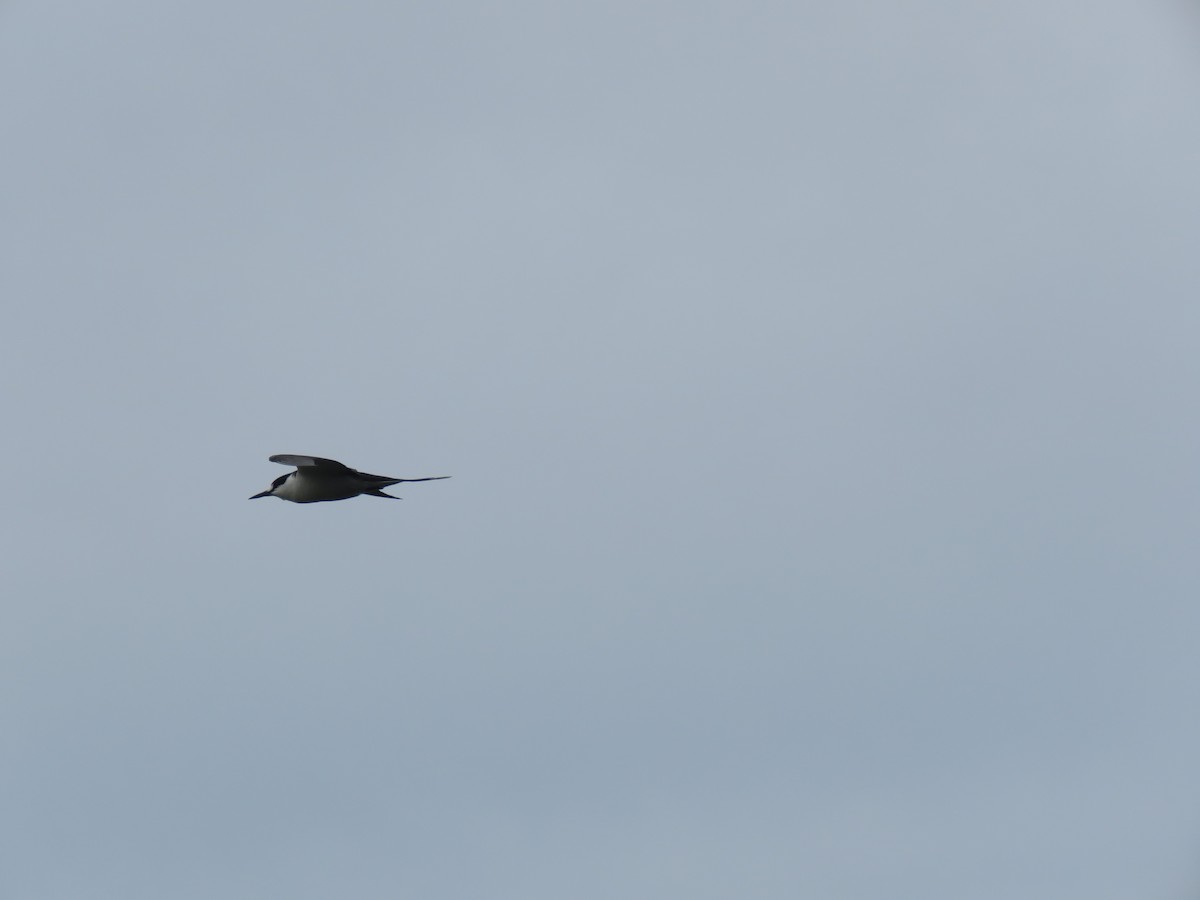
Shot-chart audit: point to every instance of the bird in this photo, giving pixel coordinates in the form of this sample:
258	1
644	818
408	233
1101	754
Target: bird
317	479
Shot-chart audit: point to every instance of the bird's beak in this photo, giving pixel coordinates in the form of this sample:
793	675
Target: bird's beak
263	494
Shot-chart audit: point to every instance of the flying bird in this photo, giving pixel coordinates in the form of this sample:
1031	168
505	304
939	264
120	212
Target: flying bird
318	479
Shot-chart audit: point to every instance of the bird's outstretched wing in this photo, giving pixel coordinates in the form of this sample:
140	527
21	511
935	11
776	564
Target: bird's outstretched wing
291	459
430	478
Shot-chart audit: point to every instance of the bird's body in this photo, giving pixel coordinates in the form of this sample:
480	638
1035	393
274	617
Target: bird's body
317	479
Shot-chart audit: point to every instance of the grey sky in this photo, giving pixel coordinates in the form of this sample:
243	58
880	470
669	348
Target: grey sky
818	383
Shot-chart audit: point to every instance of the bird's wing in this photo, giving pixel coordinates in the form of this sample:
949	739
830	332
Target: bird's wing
291	459
430	478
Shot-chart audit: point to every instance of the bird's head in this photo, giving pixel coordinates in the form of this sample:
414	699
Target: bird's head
274	487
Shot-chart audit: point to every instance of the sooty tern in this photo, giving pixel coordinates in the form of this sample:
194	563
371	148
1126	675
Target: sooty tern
318	479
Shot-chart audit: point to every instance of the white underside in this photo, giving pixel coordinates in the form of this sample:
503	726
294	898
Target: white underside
302	487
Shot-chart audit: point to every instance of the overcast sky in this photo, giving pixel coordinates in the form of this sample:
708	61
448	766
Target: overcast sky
819	385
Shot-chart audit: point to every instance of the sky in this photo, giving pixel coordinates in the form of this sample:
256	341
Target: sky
818	386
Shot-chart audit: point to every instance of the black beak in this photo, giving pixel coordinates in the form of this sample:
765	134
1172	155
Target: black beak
263	494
